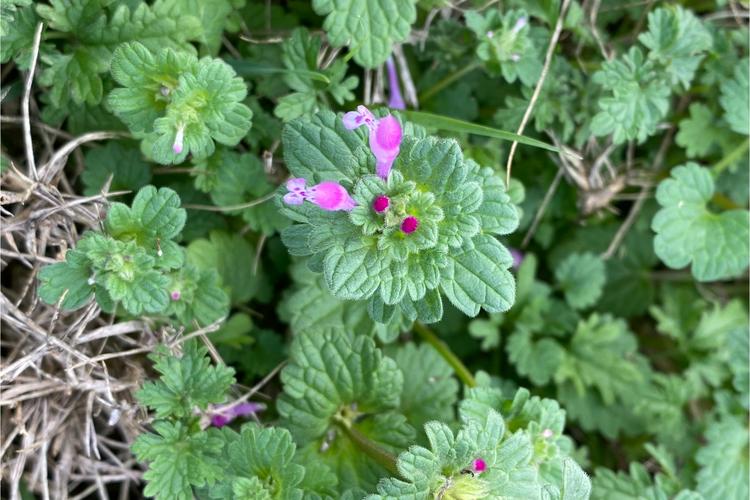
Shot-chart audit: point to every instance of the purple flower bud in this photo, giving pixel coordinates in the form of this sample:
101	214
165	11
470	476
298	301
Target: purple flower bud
175	295
328	195
396	101
490	34
517	257
410	224
381	203
547	433
178	139
385	136
479	465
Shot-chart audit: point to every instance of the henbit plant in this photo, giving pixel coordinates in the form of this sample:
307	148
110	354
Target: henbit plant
597	300
136	264
419	222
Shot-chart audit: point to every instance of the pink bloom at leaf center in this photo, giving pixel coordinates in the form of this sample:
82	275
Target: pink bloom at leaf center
479	465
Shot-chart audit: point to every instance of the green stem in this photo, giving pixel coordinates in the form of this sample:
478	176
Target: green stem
429	93
371	449
442	348
733	156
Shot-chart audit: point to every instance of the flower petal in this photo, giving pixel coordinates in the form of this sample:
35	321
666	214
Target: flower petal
396	100
331	196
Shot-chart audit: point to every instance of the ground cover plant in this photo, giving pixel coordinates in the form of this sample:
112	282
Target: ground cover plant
347	249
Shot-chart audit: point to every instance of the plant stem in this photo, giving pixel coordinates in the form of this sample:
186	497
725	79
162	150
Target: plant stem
730	158
371	449
429	93
442	348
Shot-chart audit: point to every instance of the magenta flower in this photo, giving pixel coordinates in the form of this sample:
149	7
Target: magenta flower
175	295
397	100
381	203
328	195
410	224
479	465
221	415
385	136
178	140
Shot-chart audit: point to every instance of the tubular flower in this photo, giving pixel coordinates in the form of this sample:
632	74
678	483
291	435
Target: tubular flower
221	415
385	136
396	100
328	195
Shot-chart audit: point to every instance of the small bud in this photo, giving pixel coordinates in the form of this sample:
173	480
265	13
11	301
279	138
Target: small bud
515	57
490	34
178	140
91	281
164	90
175	295
479	465
410	224
381	203
547	433
520	24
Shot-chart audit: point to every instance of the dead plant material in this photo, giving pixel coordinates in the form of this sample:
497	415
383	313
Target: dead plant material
67	379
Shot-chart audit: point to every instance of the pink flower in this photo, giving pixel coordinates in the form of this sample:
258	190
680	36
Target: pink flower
328	195
178	140
396	101
381	203
175	295
479	465
385	136
221	415
410	224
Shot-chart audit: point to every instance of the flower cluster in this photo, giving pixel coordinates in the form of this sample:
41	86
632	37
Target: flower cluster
396	217
385	141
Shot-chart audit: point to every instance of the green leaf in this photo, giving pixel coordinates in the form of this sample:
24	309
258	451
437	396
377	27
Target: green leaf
735	101
688	233
185	383
369	27
724	468
329	371
676	40
158	212
738	345
336	381
117	159
538	360
70	278
479	278
637	98
18	21
240	178
231	256
601	355
453	125
178	460
265	455
430	391
581	277
699	133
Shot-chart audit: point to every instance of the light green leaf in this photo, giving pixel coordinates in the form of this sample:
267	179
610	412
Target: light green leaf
479	278
70	278
120	160
688	233
734	99
699	132
185	383
581	277
369	27
677	40
724	469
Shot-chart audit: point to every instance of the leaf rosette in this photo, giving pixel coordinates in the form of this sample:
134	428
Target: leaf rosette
432	236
